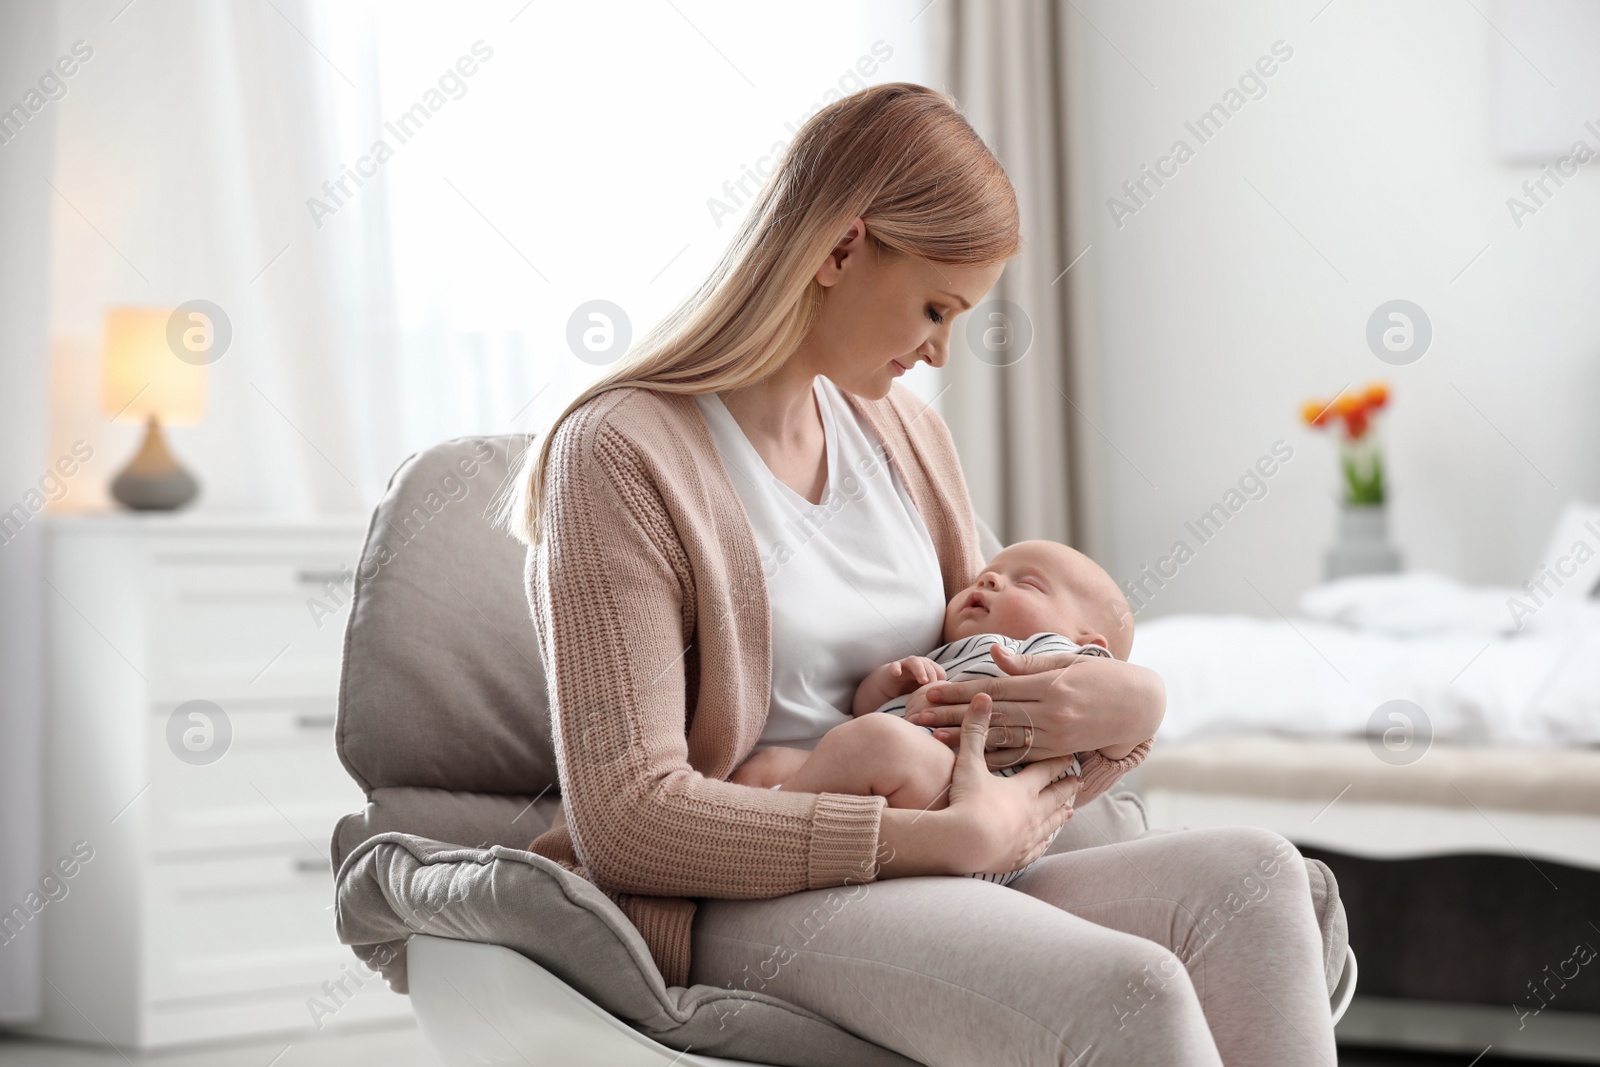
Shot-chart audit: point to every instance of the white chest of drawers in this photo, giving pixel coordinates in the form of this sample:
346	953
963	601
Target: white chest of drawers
205	911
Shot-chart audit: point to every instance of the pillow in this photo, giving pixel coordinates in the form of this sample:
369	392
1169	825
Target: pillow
1570	563
1566	575
395	884
1410	604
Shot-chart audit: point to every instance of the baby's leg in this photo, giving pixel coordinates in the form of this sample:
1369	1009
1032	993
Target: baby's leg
879	755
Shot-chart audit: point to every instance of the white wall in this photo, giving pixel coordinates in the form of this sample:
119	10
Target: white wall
1206	319
26	33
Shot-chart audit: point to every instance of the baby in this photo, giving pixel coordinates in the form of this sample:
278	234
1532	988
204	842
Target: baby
1033	597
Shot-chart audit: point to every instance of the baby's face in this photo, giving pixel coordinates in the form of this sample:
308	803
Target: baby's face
1037	586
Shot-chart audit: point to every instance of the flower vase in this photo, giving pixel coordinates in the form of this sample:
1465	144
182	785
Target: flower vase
1363	546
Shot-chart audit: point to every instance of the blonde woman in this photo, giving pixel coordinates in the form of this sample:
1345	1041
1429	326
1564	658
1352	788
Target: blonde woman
745	516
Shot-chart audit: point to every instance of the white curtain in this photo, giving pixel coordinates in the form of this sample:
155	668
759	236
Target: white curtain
26	52
1013	420
189	144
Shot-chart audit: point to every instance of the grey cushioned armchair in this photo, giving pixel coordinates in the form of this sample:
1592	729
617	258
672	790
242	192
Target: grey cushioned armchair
444	723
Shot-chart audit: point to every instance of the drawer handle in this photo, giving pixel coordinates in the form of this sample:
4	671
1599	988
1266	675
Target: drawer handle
312	866
315	722
338	577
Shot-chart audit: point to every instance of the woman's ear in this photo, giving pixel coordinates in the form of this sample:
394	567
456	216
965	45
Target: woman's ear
853	240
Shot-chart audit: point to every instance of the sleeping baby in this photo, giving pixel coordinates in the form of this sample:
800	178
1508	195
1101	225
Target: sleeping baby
1033	597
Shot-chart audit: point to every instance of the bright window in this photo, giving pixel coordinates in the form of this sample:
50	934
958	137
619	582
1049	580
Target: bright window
574	162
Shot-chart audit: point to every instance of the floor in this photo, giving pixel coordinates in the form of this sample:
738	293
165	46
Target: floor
404	1047
1352	1057
392	1046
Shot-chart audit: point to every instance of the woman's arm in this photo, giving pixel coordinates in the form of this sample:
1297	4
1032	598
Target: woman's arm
610	581
1082	704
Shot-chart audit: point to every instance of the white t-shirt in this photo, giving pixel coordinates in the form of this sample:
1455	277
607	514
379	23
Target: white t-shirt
853	581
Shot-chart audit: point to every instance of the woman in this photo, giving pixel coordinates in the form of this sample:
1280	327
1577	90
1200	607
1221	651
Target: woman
701	587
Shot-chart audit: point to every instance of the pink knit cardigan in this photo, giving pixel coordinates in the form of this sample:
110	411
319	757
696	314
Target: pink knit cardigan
647	581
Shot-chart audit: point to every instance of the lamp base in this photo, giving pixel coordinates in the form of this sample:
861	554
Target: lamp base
152	480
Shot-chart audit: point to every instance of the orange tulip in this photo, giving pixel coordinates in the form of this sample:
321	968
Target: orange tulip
1355	424
1347	405
1315	413
1377	395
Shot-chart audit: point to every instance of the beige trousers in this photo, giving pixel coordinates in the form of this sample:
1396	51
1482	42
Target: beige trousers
1168	948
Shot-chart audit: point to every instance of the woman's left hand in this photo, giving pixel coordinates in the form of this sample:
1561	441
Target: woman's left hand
1072	703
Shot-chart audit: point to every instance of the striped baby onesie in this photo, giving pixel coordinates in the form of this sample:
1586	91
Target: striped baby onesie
971	657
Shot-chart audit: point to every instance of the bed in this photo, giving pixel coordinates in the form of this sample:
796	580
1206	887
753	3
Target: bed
1438	745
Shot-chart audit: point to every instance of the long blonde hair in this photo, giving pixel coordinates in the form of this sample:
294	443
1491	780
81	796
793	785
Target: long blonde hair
899	156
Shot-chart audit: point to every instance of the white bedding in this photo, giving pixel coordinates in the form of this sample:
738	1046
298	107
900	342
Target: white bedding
1454	651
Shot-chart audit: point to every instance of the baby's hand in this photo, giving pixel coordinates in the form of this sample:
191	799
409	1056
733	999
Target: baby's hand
895	680
914	672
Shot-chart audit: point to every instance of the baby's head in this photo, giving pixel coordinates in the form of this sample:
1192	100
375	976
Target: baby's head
1036	586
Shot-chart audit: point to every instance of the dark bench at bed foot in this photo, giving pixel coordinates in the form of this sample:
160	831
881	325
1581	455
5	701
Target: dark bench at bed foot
1499	931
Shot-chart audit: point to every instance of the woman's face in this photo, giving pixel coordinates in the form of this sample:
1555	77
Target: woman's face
881	313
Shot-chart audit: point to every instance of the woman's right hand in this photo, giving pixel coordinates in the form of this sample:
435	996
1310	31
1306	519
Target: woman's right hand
991	825
1001	824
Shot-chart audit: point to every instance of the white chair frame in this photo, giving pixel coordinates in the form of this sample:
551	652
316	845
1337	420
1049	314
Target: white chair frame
481	1005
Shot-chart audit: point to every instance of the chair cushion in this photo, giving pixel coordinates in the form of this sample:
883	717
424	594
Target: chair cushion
475	819
395	884
442	683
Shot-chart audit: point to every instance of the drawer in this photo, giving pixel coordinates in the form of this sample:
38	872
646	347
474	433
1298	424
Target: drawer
279	782
247	573
240	925
248	624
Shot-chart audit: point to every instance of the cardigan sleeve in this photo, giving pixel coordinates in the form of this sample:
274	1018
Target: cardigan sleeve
1101	773
610	584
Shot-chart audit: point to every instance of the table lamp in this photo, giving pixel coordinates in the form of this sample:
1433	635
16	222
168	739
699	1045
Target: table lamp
142	380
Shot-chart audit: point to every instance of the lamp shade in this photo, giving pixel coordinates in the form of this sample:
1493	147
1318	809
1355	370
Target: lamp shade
142	377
